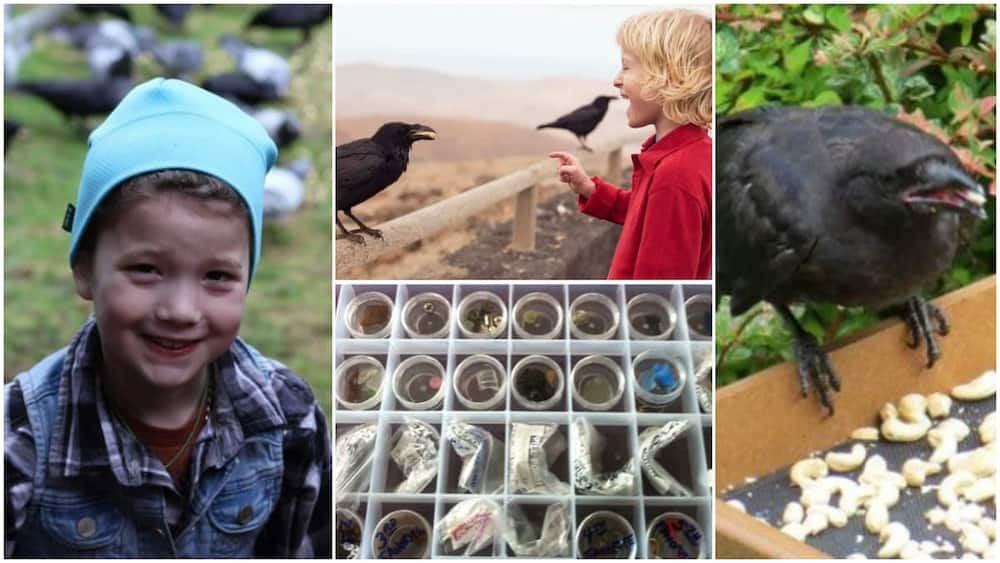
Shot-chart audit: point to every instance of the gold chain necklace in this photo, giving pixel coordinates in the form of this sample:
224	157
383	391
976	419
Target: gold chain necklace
205	399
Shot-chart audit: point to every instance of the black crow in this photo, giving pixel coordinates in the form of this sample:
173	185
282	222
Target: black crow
281	125
367	166
265	67
10	129
82	98
301	16
242	87
583	120
841	205
174	13
116	10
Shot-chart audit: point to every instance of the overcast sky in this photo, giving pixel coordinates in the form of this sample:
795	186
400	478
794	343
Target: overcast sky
491	41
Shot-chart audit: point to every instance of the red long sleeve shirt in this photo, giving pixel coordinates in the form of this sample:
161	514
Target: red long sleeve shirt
666	217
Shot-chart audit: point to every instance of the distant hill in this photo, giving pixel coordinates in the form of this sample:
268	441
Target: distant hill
462	139
391	93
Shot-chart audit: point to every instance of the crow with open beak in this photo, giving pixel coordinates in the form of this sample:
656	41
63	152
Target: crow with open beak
842	205
365	167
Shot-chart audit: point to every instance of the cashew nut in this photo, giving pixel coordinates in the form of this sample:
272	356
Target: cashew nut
954	426
953	485
980	461
974	539
915	471
865	434
851	493
989	527
815	522
913	407
980	491
912	551
887	493
797	531
815	493
794	513
846	461
877	517
935	515
938	405
834	516
897	430
737	504
988	428
888	412
979	388
945	446
894	537
807	470
857	556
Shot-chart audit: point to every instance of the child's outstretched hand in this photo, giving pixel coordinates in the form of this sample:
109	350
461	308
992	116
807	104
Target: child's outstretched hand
571	172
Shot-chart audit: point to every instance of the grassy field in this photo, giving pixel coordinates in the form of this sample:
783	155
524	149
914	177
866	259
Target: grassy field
288	312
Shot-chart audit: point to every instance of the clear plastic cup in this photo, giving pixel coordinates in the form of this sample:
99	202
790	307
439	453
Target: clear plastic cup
480	382
402	534
369	315
537	315
348	531
359	382
418	383
651	317
426	315
659	378
605	535
482	314
598	383
537	382
593	316
698	311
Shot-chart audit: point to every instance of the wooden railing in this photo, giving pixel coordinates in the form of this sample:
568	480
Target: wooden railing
425	222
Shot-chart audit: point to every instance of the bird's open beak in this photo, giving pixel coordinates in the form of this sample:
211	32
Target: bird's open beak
423	133
948	187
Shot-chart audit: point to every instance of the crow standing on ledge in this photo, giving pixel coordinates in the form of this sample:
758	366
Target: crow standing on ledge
841	205
301	16
583	120
367	166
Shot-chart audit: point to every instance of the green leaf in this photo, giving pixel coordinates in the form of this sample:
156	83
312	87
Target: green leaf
750	99
825	98
966	32
797	57
813	15
839	17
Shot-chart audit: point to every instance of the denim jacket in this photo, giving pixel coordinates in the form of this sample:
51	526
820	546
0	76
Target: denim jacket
79	485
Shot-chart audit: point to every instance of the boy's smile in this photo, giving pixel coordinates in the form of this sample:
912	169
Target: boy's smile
640	112
168	278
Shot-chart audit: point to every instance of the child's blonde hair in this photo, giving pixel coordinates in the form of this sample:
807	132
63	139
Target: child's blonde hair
675	49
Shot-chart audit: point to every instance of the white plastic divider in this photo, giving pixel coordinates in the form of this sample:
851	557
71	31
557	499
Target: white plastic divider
688	458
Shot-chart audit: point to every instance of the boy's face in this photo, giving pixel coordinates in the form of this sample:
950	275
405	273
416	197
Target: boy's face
168	279
629	79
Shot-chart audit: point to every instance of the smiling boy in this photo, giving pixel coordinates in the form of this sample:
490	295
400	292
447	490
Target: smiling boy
158	432
666	77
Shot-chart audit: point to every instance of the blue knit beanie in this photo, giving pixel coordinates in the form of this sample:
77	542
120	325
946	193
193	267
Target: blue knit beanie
170	124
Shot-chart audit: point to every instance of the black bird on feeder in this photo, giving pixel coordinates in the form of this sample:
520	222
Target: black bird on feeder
365	167
841	205
583	120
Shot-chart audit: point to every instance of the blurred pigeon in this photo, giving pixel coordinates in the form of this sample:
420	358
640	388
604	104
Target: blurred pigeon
174	13
241	87
93	96
116	10
10	129
281	125
300	16
108	60
145	36
116	33
14	51
284	189
179	58
266	67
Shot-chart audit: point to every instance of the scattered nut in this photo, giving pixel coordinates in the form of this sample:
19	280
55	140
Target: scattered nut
816	521
877	517
846	461
953	485
935	515
815	493
938	405
865	433
945	446
973	539
954	426
988	428
794	513
989	527
807	471
797	531
888	412
913	407
980	491
894	537
979	388
980	461
916	470
737	504
897	430
834	516
912	551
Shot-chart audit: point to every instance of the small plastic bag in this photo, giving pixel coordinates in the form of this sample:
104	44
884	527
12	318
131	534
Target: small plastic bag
355	451
482	458
651	441
533	448
587	472
415	451
472	524
524	538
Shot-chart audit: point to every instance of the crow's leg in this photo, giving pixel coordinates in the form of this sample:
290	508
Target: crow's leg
921	316
583	144
812	360
356	238
364	228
